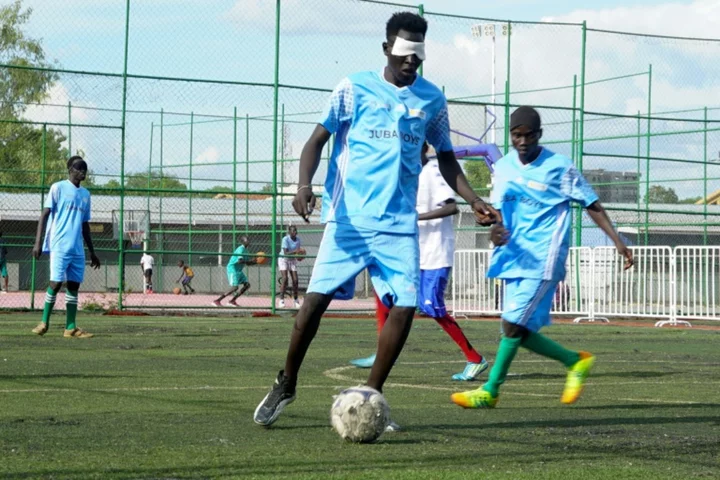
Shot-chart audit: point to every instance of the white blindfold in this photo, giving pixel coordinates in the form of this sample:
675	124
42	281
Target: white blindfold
404	48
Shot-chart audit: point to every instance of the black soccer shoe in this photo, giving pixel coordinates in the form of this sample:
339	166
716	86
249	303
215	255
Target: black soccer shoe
272	405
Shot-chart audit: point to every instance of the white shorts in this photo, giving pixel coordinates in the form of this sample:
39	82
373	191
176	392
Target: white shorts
287	264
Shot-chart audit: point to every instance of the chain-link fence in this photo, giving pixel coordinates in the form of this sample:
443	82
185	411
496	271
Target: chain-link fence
192	117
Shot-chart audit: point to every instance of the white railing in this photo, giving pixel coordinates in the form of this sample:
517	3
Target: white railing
697	274
665	284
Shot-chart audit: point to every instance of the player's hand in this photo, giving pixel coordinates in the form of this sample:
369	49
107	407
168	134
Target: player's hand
94	261
485	214
623	250
36	252
304	203
499	235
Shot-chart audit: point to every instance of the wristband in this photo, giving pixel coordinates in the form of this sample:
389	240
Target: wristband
477	199
301	187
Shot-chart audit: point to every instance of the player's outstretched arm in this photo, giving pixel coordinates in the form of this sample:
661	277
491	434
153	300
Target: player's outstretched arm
304	201
455	178
600	217
94	260
42	223
447	210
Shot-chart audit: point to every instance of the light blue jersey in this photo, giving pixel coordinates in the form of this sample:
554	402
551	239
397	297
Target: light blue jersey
238	254
534	200
372	177
69	209
289	245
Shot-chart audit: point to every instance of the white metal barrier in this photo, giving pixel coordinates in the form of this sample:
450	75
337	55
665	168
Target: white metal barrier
644	291
665	284
472	292
697	273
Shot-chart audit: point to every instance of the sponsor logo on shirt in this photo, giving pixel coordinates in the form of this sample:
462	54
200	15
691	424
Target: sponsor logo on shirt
416	112
390	134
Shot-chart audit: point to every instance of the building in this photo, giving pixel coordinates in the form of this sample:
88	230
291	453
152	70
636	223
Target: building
613	186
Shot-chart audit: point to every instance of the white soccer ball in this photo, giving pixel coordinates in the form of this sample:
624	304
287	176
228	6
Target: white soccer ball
360	414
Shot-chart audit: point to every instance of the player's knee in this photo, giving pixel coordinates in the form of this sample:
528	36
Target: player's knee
55	286
512	330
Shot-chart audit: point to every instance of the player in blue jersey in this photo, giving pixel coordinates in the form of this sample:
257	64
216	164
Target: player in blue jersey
66	215
237	279
291	245
533	190
380	120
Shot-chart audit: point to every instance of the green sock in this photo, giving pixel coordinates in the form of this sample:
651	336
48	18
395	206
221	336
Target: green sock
506	352
71	306
542	345
49	304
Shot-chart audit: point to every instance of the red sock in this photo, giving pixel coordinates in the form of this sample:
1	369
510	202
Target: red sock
381	313
452	328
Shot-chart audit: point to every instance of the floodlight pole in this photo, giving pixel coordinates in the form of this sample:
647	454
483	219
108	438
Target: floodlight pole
488	30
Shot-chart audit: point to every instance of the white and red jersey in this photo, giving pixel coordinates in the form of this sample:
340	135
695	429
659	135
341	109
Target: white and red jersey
437	237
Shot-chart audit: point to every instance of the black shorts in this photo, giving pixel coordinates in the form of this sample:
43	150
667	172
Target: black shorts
148	272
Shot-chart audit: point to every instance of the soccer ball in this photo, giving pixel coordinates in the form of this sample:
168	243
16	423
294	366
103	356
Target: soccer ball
360	414
261	258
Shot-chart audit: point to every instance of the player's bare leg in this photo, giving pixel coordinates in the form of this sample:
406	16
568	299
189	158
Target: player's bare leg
390	344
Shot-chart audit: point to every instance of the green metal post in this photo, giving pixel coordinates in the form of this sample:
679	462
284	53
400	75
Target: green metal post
421	12
507	91
639	152
42	205
573	144
282	164
234	187
581	129
247	175
506	141
276	96
121	263
70	150
161	264
190	195
152	131
647	158
705	176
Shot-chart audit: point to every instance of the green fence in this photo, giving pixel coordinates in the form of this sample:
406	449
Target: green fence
196	114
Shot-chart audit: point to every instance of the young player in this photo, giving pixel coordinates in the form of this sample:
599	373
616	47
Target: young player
186	277
67	208
290	245
235	275
435	206
533	190
380	121
147	262
3	264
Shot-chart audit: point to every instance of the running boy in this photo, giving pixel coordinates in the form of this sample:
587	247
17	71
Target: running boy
533	190
186	278
235	275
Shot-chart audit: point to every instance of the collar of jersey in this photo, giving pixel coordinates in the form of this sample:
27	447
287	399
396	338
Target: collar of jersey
382	77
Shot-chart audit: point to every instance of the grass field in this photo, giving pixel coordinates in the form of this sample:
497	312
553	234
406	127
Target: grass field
163	397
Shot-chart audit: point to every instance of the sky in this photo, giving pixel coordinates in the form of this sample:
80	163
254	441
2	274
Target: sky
324	40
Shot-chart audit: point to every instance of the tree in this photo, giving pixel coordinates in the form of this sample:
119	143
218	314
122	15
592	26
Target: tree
21	86
212	191
21	144
267	188
478	175
660	194
691	200
156	181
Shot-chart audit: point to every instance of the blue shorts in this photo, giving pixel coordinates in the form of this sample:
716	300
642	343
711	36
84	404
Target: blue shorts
67	268
432	291
393	261
528	302
236	277
186	280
